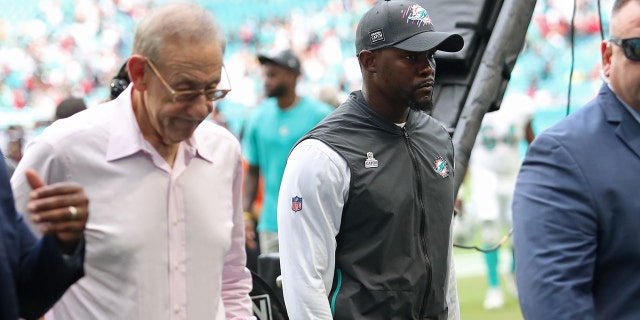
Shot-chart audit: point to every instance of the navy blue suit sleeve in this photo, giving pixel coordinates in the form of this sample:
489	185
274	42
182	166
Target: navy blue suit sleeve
44	275
33	273
555	230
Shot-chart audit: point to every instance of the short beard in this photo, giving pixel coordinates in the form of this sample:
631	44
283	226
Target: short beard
425	107
278	91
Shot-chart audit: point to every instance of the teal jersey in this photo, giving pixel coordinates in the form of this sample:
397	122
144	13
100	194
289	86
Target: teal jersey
267	140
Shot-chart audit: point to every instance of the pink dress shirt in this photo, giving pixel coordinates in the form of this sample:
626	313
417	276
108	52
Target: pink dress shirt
162	242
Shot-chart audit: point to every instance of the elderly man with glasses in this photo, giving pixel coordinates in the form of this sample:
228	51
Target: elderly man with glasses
576	210
166	235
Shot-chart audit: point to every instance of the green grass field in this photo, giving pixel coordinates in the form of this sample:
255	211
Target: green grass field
471	291
472	282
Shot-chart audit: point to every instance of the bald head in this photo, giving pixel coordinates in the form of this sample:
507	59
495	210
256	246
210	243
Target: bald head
615	10
620	71
619	4
179	23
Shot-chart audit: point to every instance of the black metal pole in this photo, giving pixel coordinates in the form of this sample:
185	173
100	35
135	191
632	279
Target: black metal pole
488	87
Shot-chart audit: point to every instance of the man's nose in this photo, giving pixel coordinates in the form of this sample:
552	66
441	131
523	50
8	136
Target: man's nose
426	66
200	107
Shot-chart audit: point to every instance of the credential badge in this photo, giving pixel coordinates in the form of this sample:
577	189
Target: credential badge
371	162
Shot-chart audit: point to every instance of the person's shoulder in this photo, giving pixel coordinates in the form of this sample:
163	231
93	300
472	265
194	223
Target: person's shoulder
580	123
424	119
317	106
210	128
310	148
266	108
211	133
580	131
78	127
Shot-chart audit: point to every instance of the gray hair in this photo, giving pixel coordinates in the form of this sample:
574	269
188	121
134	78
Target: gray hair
175	22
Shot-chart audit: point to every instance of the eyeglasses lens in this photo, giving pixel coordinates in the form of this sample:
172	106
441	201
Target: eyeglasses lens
632	48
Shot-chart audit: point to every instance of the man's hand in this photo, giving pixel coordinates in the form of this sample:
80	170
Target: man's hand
60	208
250	232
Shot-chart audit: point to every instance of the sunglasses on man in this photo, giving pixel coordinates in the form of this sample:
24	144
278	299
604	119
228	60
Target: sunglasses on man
630	46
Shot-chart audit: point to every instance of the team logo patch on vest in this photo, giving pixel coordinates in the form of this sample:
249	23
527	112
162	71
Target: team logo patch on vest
441	167
296	204
371	162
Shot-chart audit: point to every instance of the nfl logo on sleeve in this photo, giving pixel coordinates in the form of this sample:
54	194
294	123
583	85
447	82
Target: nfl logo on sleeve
296	204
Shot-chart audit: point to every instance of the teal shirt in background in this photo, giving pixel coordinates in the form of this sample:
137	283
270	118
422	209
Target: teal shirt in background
267	140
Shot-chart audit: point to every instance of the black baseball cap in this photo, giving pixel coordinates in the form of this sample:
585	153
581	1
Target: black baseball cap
285	58
404	25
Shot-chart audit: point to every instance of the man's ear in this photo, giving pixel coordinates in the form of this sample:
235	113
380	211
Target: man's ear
367	61
606	50
136	68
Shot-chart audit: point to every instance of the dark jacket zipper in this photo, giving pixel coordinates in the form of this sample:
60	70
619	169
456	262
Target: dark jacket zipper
422	220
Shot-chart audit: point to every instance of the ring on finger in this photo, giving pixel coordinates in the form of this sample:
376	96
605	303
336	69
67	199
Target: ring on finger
73	211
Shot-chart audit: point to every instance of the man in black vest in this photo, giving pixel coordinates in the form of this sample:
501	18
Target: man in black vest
367	196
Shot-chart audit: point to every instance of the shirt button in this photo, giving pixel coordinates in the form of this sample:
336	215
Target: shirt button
176	309
175	222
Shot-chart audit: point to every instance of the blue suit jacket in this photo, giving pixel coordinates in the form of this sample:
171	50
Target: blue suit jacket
576	215
33	273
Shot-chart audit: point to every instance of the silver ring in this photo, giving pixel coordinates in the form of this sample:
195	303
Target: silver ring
74	212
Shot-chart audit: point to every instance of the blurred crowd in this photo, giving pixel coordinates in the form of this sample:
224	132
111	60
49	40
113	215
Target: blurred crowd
543	68
50	50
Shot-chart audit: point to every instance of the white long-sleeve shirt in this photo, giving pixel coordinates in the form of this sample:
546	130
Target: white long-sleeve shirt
308	242
162	242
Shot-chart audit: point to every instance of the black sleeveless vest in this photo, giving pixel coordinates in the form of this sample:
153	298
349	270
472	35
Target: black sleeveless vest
393	243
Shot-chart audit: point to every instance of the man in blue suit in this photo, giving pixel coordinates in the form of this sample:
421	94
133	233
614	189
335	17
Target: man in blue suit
576	208
35	273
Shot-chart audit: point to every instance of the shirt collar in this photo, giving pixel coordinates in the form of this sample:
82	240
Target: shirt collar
194	149
125	137
634	113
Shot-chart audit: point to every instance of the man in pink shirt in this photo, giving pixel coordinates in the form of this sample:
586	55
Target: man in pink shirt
166	236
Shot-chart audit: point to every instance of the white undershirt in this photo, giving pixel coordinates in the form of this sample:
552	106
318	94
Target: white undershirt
321	177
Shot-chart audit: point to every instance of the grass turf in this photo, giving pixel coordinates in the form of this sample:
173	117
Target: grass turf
471	291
